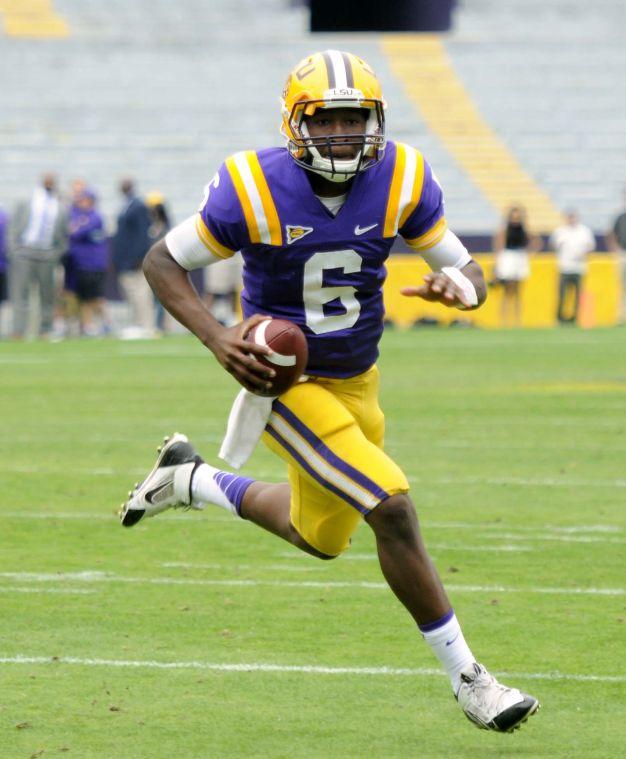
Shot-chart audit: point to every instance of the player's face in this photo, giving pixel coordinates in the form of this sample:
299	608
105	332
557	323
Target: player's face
337	122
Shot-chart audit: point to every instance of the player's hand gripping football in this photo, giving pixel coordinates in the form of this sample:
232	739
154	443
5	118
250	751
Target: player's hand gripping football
236	355
438	287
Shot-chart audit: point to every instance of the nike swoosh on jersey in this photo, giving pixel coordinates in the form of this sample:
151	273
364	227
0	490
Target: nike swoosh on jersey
362	230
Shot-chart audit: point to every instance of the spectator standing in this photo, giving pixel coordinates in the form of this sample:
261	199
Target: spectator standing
572	242
4	219
616	240
66	312
512	243
88	255
130	245
160	225
37	240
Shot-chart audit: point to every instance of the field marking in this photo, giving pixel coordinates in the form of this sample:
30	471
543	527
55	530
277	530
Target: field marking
65	591
309	669
98	576
535	445
237	567
101	471
108	517
618	483
106	439
523	481
515	533
609	529
432	546
499	420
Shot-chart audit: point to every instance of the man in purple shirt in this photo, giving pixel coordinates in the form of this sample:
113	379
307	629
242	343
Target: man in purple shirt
88	253
315	223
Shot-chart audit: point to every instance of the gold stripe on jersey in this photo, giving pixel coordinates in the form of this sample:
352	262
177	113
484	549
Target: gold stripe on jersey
271	214
416	190
393	202
209	241
430	238
246	205
406	188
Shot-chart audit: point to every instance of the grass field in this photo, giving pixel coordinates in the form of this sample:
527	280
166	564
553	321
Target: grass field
176	638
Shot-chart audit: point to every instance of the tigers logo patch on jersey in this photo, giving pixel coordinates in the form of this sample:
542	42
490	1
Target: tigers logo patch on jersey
296	233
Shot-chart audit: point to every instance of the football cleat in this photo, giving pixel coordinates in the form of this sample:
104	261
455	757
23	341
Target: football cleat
491	705
167	486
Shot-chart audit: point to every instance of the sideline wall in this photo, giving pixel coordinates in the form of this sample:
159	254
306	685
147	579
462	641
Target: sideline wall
599	303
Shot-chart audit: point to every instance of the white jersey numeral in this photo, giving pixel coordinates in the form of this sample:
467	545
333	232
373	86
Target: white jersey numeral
315	295
215	183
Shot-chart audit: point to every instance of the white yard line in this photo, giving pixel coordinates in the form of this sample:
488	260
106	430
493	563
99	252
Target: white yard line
510	526
90	472
348	556
108	517
562	482
238	567
308	669
533	446
96	576
64	591
57	438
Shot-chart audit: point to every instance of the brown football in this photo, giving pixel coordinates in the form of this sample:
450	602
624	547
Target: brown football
289	352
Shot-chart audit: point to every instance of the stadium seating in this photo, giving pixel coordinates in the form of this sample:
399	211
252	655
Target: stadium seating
163	91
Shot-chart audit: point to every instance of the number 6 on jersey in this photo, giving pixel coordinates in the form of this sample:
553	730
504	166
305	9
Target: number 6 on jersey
316	295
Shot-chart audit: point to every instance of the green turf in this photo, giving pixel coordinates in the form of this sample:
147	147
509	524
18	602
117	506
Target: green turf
514	443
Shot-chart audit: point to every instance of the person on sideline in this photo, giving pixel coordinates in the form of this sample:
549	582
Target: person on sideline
572	242
130	244
160	225
512	243
89	256
4	222
37	240
315	222
616	242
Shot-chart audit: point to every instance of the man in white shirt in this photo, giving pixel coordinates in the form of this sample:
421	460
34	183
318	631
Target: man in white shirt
37	240
572	242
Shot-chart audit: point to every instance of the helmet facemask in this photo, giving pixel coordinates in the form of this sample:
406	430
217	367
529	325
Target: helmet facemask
304	148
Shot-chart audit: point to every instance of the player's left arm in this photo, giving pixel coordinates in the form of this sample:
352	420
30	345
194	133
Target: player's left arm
456	279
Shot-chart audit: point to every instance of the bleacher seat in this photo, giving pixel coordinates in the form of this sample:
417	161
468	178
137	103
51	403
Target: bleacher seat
165	90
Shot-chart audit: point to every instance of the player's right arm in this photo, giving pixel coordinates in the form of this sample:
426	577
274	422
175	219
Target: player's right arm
190	245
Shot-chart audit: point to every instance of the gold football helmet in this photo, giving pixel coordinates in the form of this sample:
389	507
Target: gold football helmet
333	79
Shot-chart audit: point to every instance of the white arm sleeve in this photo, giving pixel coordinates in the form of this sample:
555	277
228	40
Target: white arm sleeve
186	246
449	251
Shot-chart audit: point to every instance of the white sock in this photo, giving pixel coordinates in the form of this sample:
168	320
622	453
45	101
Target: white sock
211	485
445	638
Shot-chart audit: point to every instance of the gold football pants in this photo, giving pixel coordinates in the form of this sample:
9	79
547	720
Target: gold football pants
330	432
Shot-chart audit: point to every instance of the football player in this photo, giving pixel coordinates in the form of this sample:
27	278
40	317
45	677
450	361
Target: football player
315	222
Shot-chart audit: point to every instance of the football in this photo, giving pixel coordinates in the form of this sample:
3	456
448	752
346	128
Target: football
289	352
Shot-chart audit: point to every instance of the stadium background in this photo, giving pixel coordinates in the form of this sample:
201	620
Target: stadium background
521	102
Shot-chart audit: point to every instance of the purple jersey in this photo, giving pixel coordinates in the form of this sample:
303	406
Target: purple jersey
301	263
88	246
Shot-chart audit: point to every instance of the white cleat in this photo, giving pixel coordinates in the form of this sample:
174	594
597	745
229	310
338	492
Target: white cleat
490	705
167	486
